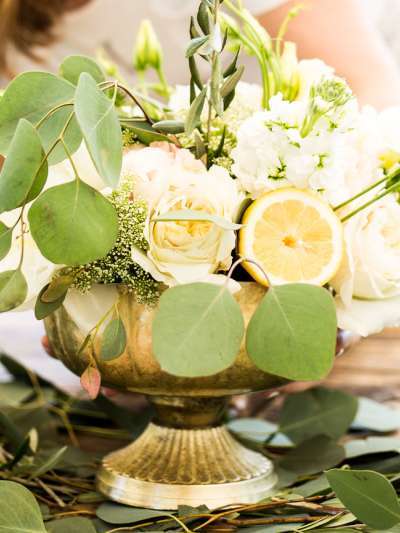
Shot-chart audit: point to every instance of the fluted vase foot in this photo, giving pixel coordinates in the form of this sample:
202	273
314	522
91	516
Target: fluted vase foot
172	466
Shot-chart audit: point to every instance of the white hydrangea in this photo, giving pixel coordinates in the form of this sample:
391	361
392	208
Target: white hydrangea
272	152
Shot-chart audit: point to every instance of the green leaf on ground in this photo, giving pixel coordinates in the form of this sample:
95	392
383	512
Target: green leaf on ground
371	445
368	495
31	96
101	129
19	511
376	416
50	463
73	66
313	456
73	224
114	513
318	411
113	340
292	334
13	290
197	330
71	525
23	175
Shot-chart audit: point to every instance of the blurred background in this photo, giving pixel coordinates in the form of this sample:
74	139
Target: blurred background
360	38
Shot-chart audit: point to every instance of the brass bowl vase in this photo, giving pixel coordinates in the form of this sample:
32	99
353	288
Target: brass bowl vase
186	456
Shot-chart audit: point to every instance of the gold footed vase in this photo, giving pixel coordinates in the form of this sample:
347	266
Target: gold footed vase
186	456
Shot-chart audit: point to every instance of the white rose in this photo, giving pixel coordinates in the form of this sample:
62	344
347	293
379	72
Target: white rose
170	179
368	283
37	270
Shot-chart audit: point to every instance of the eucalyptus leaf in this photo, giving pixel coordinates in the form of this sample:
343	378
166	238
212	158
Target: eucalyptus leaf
114	513
73	66
11	431
191	214
21	173
91	381
101	129
57	288
368	495
14	393
371	445
197	330
50	463
113	340
43	309
194	116
5	240
313	487
318	411
200	147
169	126
74	524
31	96
13	290
73	224
313	455
19	510
292	334
196	44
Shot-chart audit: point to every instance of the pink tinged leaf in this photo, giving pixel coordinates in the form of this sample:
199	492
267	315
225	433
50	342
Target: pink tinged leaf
91	381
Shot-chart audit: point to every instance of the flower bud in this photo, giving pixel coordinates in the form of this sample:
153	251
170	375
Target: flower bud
147	52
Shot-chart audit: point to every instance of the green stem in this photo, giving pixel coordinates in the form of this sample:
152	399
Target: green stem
391	189
365	191
21	260
51	112
68	153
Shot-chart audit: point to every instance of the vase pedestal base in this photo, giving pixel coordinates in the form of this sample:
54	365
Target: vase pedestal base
169	467
186	457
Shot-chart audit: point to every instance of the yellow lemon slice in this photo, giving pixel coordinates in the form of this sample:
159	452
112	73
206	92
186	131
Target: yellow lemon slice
294	236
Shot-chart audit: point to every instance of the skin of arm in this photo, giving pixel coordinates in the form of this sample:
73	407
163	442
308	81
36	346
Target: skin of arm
340	33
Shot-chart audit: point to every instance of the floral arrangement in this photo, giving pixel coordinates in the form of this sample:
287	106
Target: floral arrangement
168	192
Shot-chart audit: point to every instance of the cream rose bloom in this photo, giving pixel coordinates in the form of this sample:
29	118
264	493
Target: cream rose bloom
368	283
171	179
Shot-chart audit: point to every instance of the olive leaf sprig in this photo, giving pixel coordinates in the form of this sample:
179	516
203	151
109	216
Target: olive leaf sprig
208	43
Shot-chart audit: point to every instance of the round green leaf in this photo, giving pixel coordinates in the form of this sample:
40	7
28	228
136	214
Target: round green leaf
73	224
292	334
101	129
113	341
45	309
197	330
23	174
114	513
76	524
318	411
73	66
5	240
19	510
32	95
368	495
312	456
13	290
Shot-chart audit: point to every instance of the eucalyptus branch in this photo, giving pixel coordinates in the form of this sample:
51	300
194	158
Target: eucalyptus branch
21	260
51	112
109	84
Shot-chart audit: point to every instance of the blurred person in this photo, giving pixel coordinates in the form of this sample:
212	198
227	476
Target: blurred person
40	33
